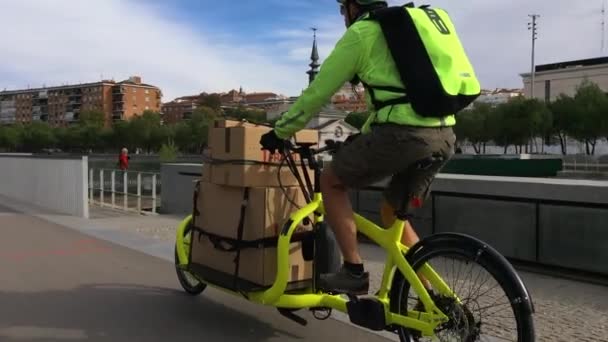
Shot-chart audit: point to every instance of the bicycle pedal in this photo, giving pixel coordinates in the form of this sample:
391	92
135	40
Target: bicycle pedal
367	312
289	314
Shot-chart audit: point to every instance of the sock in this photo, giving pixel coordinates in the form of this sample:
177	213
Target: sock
354	269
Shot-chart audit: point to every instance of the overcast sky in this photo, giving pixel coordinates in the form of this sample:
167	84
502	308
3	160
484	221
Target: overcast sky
190	46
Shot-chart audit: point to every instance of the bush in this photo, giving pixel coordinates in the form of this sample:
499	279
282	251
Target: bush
168	152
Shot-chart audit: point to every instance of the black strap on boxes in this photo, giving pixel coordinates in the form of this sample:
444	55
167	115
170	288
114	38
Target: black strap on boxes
229	245
239	241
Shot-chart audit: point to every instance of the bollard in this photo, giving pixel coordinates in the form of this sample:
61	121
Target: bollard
138	192
113	189
154	193
101	187
125	191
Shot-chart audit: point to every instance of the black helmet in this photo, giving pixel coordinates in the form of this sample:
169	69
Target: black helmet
364	2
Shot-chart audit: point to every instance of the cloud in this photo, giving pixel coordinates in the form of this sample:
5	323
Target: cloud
64	41
70	41
494	34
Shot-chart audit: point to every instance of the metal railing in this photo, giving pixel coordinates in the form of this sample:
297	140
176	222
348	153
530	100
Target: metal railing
585	166
132	191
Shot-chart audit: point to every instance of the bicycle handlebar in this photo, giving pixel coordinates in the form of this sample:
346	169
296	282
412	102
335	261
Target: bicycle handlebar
302	148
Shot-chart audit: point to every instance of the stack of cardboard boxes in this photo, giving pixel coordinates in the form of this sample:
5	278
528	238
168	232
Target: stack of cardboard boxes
239	163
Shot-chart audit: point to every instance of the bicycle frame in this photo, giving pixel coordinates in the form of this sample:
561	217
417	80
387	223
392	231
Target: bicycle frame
389	239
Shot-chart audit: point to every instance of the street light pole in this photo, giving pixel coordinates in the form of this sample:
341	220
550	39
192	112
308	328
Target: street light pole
532	26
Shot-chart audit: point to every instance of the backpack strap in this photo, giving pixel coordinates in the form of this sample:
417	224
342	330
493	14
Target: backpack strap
391	22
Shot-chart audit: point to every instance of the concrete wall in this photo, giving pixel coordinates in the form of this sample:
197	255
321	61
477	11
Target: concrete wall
178	189
58	184
548	221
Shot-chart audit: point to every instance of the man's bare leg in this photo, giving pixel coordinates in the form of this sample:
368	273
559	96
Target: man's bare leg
409	237
352	277
340	217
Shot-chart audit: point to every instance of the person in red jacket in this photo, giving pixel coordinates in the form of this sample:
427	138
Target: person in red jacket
123	159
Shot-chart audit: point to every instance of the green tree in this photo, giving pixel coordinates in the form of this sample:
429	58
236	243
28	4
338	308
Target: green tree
121	136
168	152
184	136
541	121
564	110
143	128
106	137
591	115
191	135
37	136
11	137
474	126
212	101
92	118
518	122
69	138
253	115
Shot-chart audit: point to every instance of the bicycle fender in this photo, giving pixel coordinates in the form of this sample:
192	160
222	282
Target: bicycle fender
513	281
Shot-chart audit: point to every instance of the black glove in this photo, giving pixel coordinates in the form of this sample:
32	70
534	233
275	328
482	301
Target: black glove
271	142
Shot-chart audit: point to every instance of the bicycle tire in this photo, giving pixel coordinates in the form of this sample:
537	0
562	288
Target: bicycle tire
466	247
182	277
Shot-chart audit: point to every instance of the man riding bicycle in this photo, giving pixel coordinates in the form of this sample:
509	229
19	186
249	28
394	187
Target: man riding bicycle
394	140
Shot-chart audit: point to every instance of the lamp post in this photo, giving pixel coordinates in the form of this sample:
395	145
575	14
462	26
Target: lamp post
532	26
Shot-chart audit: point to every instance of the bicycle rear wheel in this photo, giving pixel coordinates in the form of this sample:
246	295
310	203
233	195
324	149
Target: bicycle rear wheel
492	308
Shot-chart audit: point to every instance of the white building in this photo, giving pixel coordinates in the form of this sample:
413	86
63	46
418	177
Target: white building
336	130
551	80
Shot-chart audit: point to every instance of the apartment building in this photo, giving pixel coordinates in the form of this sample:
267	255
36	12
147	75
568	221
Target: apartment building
179	109
62	105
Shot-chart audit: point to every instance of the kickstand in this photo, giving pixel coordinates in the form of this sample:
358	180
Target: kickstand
292	316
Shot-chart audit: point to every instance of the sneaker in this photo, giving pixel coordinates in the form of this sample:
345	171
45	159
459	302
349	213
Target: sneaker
345	282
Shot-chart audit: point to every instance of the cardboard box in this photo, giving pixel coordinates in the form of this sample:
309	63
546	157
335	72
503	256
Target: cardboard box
206	173
267	211
253	175
233	123
243	142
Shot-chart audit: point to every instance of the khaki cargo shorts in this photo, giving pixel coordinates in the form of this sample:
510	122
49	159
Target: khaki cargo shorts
394	151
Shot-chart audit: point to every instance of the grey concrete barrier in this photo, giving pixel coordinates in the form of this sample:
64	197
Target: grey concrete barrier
178	187
553	222
56	183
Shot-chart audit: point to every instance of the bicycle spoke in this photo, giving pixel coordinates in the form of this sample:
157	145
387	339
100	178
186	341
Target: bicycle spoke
482	284
487	291
470	272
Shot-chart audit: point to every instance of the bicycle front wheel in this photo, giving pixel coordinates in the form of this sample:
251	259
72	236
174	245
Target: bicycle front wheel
490	307
189	282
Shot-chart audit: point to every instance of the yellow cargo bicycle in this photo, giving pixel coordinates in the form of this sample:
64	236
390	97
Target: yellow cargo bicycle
453	310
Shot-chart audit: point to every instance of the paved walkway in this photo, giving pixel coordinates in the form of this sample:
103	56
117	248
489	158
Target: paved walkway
59	285
566	310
